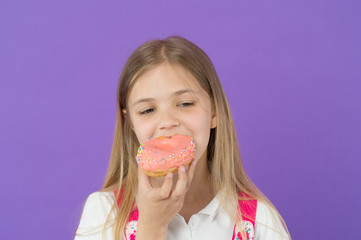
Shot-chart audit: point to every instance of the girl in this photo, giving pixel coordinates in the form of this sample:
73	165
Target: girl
171	87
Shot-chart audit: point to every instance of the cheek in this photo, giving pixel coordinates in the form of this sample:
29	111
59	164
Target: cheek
199	125
142	129
199	121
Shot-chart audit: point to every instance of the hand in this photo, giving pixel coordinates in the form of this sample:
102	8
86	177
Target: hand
158	206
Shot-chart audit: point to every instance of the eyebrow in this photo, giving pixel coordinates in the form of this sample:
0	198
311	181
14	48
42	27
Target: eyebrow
177	93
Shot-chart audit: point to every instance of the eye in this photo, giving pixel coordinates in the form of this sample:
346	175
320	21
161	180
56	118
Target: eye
147	111
186	104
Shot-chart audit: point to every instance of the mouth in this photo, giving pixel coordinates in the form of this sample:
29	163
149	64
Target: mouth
170	136
162	137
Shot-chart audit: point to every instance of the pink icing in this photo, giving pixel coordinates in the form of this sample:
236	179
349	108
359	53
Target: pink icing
165	152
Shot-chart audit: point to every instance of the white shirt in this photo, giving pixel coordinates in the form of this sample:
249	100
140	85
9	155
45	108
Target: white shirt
212	222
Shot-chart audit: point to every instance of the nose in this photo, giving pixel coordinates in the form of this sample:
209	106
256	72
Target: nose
167	121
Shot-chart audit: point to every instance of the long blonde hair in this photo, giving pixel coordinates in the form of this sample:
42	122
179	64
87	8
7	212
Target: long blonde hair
224	162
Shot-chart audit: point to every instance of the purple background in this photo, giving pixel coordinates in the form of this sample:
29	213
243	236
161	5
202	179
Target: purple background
291	71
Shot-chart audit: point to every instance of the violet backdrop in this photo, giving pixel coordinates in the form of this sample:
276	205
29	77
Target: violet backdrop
291	71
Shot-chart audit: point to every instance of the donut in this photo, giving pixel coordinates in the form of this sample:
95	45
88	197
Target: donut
159	156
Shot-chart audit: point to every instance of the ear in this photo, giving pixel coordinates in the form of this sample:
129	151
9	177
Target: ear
214	119
127	118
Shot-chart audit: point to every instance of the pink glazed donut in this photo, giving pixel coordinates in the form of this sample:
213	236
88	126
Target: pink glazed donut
159	156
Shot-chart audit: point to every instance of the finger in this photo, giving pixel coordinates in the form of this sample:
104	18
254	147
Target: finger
164	190
181	186
143	181
190	172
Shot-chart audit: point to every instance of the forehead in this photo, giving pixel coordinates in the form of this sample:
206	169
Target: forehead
163	80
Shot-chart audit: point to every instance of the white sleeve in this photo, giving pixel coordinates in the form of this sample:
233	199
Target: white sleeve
268	225
95	213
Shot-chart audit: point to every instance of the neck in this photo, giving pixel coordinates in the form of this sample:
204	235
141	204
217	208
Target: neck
200	192
201	187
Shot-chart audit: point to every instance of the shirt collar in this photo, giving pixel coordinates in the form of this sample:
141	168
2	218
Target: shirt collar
211	208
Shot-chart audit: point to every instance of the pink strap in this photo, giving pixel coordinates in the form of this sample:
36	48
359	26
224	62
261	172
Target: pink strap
134	215
248	210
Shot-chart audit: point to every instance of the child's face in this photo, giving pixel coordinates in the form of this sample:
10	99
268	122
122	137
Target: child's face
167	100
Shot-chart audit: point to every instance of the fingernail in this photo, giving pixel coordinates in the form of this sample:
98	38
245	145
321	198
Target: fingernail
182	169
170	175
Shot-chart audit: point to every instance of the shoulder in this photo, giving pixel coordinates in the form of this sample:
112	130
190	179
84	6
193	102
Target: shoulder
97	199
268	224
96	210
264	212
98	204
